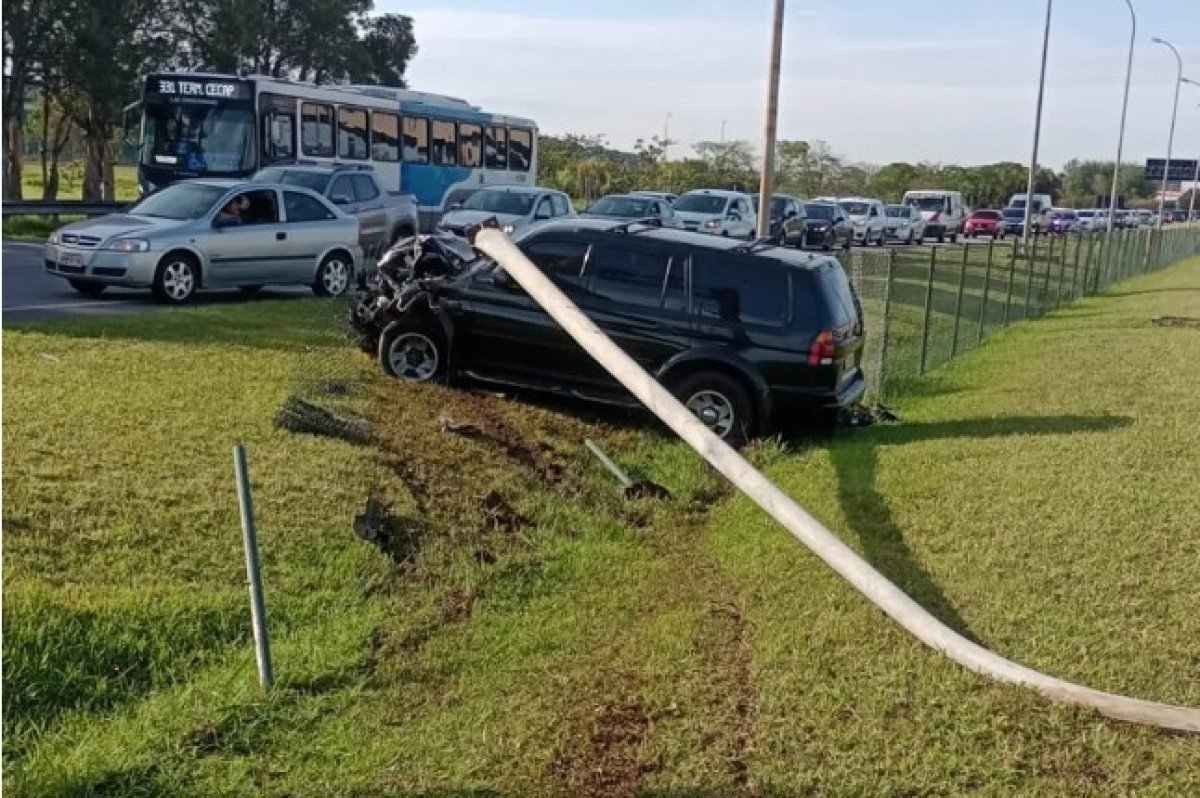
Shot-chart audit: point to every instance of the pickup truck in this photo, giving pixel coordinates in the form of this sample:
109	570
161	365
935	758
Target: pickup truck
384	217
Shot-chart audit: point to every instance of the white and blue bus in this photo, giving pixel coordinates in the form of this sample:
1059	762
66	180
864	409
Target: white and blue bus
438	148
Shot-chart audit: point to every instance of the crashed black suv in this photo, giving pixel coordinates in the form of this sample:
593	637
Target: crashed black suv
748	336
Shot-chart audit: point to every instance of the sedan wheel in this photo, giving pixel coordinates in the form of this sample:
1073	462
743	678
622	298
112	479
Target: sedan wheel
333	277
176	281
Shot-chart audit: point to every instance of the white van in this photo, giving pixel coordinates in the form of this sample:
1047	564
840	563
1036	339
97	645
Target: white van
1039	214
943	211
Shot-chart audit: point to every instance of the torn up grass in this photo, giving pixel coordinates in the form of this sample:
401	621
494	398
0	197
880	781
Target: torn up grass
535	634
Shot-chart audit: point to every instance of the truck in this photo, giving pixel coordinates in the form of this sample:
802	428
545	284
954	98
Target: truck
384	217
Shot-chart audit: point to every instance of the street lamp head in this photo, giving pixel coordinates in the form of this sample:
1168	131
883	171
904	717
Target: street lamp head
1157	40
1189	80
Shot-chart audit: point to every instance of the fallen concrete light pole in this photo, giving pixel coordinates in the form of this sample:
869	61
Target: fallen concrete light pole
808	530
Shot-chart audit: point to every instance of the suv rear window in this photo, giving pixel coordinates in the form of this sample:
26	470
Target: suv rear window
839	301
731	288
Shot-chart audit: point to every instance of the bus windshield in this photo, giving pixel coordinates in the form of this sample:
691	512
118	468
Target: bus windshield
199	138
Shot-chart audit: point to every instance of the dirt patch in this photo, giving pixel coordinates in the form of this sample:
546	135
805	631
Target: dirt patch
457	605
298	415
605	759
536	456
396	536
1176	321
499	516
728	645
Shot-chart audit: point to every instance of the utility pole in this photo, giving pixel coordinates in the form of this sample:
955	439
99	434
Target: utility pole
1037	128
1112	197
1162	195
666	135
768	159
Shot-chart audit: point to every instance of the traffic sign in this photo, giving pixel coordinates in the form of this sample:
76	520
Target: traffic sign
1181	169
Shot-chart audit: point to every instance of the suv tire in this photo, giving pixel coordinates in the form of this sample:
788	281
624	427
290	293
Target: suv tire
721	404
413	350
88	288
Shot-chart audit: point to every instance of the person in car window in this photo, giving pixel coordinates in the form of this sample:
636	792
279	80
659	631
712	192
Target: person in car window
234	211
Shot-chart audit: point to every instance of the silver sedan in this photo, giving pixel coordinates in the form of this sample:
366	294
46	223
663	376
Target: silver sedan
212	234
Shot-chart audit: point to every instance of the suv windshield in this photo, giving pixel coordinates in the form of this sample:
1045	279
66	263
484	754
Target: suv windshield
180	201
855	208
293	177
199	138
700	203
621	206
509	202
898	210
818	211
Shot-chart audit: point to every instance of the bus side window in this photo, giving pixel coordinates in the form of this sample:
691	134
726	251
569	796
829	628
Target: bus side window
352	133
316	129
280	136
468	144
520	149
416	140
385	142
442	134
495	147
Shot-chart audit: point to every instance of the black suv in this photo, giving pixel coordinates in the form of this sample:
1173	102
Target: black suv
748	336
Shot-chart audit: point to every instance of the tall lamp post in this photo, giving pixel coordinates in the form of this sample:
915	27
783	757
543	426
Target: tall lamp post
768	160
1037	127
1112	199
1196	176
1162	195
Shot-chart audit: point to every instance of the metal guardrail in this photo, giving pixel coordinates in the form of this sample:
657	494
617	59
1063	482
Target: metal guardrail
60	207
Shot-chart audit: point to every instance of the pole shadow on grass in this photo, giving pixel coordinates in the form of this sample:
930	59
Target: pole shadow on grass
856	463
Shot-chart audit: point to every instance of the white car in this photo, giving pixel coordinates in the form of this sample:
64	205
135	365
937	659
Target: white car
905	224
719	212
868	218
1089	219
513	207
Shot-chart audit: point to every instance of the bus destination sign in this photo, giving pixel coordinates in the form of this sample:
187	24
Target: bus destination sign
196	89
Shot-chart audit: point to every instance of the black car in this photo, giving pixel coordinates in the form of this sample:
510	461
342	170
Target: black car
751	337
784	207
820	225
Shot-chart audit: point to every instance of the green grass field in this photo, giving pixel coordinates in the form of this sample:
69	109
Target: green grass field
527	632
36	228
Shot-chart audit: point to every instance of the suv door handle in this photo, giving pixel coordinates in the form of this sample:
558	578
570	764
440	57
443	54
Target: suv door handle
280	236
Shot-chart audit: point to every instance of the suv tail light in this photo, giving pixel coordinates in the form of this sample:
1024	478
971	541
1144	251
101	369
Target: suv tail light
821	351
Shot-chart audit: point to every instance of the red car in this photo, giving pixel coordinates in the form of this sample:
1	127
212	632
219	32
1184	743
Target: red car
984	223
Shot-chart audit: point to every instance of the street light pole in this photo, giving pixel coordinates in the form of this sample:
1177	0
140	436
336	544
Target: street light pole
1112	199
768	159
1037	127
1162	195
1196	176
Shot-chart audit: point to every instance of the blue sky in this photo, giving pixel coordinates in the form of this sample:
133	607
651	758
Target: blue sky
880	81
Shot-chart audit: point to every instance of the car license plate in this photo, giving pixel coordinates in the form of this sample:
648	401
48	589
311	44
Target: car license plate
70	259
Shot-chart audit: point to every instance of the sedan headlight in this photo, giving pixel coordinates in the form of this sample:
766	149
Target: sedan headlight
508	229
129	245
713	224
52	238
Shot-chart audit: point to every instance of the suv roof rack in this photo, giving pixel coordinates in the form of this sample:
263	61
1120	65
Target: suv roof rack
754	245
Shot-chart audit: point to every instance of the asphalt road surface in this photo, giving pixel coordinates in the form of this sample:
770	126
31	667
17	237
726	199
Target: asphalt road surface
30	294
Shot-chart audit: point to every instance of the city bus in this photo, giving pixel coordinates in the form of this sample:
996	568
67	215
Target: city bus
435	147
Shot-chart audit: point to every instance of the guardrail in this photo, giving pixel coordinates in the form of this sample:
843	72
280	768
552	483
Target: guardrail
59	207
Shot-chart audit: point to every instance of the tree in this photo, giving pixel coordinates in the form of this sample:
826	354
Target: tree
388	44
26	25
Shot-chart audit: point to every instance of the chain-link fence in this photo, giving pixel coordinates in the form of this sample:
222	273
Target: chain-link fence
926	305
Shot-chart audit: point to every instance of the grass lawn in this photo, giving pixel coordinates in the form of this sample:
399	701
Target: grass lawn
36	228
526	632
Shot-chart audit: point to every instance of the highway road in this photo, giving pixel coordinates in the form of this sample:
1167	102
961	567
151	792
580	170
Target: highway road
30	294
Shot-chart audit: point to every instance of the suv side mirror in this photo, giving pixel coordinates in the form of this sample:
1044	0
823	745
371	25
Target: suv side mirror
340	199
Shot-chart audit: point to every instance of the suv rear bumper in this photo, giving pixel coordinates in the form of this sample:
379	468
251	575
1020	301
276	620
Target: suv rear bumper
789	403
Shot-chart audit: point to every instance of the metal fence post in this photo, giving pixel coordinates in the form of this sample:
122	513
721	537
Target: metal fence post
928	307
987	284
1029	268
1012	273
1062	271
1087	262
887	310
962	280
258	608
1075	268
